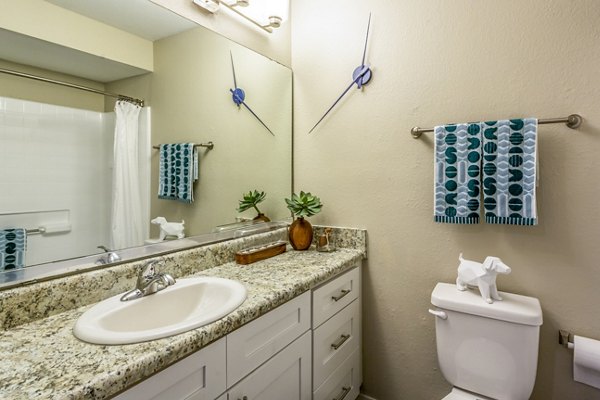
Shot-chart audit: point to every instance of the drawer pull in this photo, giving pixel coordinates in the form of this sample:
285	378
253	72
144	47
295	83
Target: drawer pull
345	391
243	398
340	342
339	297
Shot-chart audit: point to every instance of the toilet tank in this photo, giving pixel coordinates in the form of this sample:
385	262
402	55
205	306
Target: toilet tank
489	349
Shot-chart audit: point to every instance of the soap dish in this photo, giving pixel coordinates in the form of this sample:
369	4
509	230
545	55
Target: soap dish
258	253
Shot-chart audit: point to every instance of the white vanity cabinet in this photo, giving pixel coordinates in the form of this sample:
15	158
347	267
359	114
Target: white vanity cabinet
337	372
308	348
200	376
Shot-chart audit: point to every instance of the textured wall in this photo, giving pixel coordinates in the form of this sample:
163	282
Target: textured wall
436	62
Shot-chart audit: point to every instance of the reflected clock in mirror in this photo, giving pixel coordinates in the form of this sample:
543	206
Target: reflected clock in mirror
239	96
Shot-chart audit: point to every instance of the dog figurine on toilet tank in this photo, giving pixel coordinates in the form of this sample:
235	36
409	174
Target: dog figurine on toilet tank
483	275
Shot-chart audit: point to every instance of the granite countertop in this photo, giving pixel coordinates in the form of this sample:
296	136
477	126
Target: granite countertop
43	360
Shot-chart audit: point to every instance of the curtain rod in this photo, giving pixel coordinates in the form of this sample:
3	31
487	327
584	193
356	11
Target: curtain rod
573	121
72	85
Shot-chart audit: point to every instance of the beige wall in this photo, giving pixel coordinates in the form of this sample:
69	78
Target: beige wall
276	45
32	90
436	62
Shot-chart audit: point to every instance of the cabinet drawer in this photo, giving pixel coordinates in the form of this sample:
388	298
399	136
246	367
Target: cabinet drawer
344	382
334	341
256	342
335	295
284	377
200	376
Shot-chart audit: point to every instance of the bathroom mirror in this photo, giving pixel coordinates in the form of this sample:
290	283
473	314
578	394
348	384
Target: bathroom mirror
188	99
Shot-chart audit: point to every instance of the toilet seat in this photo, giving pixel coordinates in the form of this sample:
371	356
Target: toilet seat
457	394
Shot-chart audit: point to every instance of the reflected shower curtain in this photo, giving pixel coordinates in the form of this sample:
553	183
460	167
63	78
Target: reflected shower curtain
126	212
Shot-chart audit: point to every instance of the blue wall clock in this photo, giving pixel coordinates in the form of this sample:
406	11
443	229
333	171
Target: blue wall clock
360	76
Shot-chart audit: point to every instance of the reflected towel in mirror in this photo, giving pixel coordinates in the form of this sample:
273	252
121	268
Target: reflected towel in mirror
13	244
178	170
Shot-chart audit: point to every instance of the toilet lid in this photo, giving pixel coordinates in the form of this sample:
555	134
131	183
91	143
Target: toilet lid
457	394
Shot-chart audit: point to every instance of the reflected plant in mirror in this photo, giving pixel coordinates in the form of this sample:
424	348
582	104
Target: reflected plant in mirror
251	200
58	142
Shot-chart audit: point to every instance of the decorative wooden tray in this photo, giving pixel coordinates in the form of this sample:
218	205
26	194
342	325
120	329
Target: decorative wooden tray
253	254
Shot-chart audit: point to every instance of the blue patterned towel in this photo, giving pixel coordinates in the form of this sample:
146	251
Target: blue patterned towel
456	182
13	244
178	170
509	170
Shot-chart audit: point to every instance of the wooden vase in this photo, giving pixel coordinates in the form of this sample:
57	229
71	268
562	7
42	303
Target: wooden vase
300	234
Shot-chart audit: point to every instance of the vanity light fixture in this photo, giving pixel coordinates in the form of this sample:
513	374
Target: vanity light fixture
268	11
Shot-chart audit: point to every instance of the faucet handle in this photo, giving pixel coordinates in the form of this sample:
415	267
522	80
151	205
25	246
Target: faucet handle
147	272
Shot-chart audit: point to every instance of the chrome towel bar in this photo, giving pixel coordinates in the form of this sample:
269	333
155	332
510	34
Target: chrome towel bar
209	145
573	121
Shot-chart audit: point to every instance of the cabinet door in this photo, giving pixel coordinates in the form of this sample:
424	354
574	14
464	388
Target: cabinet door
256	342
200	376
344	382
335	295
284	377
334	341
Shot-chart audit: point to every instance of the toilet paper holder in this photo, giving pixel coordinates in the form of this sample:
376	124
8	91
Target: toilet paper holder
565	338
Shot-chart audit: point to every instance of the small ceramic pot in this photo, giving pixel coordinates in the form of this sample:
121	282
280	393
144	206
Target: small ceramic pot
300	234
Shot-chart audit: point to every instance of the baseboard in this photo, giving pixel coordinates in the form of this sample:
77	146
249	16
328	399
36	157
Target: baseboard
365	397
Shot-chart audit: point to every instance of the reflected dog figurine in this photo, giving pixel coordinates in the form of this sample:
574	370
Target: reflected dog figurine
169	228
482	275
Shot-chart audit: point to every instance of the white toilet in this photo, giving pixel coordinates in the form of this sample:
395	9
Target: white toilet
486	351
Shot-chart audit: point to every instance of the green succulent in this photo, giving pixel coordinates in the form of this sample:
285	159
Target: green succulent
250	200
304	205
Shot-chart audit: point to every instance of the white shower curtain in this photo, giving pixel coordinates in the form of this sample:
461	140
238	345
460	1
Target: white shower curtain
127	222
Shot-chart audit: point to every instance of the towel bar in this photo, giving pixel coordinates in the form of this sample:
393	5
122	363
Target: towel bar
573	121
209	145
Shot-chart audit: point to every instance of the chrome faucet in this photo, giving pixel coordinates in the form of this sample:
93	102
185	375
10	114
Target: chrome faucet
149	281
110	257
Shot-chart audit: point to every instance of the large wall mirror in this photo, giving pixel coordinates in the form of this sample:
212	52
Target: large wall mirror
57	142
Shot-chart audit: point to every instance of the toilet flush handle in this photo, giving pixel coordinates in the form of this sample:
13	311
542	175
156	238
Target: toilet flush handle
438	313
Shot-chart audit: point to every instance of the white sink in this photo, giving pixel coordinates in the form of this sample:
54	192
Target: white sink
188	304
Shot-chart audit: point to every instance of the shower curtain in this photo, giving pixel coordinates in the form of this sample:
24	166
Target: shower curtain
127	222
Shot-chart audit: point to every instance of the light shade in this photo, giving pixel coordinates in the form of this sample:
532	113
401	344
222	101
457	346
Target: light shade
262	10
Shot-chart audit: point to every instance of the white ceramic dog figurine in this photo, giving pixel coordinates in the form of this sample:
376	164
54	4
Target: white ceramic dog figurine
169	228
472	273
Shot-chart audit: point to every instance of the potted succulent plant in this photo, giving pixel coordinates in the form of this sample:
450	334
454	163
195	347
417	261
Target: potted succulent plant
302	205
250	200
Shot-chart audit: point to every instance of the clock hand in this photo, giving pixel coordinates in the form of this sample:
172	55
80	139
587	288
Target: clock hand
233	70
363	71
253	113
238	94
366	40
367	76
